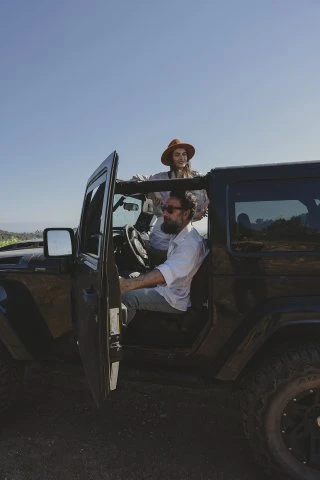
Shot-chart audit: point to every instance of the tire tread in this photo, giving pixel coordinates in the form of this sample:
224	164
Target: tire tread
289	361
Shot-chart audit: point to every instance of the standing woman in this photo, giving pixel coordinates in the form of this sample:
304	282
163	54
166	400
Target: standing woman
177	156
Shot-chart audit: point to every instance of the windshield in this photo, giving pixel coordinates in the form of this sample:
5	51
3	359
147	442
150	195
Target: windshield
126	210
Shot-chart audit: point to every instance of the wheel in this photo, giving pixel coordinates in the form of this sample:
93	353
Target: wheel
137	245
281	411
11	379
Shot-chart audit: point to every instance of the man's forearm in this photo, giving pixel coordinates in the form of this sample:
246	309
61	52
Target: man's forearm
146	280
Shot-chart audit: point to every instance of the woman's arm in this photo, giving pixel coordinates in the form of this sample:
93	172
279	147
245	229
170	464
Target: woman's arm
139	178
202	208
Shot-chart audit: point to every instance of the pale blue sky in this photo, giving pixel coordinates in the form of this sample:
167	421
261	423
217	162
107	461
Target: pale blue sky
237	78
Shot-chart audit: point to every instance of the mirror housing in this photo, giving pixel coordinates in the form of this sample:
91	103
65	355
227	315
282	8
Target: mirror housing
58	242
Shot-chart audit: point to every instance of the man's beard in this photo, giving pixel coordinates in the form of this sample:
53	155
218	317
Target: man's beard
172	228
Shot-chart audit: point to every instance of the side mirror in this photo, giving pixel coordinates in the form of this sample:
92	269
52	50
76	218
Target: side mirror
58	242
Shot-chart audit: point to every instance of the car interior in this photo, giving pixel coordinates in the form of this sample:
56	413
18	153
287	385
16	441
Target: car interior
132	223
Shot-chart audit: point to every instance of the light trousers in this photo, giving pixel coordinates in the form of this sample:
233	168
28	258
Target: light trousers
146	299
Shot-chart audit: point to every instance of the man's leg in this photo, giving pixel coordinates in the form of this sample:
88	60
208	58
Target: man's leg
146	299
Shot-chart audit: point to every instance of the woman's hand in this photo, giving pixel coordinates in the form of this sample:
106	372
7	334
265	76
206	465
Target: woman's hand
157	201
200	215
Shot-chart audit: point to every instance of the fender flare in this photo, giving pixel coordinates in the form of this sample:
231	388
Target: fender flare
23	329
11	341
257	329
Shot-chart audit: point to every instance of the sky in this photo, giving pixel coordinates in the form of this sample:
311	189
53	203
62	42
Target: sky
239	79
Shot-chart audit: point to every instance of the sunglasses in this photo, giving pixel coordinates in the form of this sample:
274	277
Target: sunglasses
170	208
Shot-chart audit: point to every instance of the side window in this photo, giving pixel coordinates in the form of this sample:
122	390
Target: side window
275	216
202	227
91	220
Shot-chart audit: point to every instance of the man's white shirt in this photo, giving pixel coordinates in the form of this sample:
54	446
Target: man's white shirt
186	252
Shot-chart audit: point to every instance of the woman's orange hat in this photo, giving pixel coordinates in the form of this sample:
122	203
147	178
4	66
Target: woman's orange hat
177	143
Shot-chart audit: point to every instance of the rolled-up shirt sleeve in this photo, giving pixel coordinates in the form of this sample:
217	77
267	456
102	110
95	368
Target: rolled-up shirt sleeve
180	265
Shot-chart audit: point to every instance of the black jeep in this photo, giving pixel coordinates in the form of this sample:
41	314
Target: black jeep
255	314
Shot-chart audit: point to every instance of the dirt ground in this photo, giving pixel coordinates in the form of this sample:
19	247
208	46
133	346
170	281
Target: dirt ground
145	431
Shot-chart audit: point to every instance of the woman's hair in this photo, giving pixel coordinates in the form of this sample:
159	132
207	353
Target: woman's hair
186	173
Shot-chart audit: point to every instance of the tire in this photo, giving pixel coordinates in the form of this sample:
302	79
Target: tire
11	379
280	407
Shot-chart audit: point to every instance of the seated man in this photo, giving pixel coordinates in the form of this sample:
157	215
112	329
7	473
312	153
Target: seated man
167	287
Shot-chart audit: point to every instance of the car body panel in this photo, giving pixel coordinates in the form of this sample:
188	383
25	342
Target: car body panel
256	294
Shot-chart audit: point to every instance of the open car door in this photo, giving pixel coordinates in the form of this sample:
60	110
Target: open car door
96	292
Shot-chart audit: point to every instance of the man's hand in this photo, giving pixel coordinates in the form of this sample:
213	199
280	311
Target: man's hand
150	279
124	284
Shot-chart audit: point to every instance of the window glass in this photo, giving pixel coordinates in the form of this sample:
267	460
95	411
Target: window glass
126	210
91	233
201	226
275	215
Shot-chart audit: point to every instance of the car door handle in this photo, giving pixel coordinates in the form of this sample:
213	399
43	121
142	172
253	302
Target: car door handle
90	297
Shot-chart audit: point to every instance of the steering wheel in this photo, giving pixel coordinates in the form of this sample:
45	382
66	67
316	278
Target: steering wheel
137	245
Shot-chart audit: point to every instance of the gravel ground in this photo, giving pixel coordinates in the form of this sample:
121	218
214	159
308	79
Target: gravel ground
145	431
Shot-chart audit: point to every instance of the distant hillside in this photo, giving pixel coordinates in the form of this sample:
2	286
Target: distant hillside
7	236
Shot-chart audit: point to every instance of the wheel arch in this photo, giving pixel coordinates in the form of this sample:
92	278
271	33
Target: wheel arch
23	329
291	333
295	319
11	341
